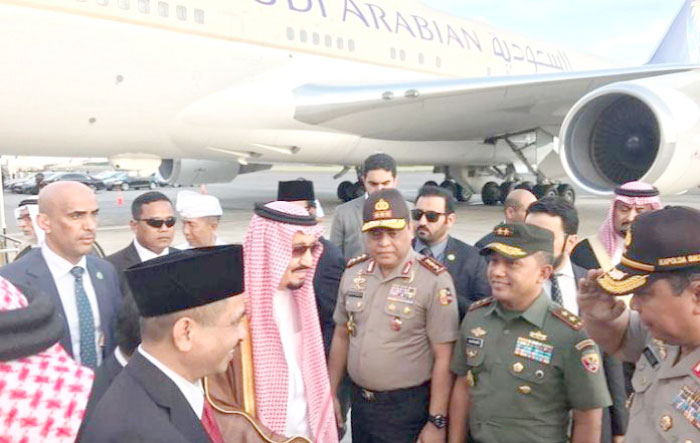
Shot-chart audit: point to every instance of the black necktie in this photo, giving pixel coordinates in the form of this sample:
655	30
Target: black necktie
426	251
556	290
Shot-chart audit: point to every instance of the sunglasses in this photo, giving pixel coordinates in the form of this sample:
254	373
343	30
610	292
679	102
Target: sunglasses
158	223
301	250
431	216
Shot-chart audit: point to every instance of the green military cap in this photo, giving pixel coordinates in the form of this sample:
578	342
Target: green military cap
660	241
385	209
517	240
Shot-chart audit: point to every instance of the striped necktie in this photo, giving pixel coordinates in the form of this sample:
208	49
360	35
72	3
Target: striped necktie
556	290
86	321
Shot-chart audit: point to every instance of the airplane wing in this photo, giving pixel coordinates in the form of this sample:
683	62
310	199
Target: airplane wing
457	109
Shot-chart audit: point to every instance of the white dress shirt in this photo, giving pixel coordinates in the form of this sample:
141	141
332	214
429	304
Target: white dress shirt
567	285
121	358
286	316
65	284
193	392
147	254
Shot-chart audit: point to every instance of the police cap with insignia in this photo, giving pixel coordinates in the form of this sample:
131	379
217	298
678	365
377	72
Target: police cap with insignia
660	241
186	279
385	209
295	190
517	240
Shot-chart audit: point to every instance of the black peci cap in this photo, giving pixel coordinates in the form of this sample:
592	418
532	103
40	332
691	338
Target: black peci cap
385	209
659	241
295	190
517	240
186	279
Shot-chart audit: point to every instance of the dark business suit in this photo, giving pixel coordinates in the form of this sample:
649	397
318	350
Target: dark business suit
615	417
32	272
143	405
326	281
468	270
123	260
104	376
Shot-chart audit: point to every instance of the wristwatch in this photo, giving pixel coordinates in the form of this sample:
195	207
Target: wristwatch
440	421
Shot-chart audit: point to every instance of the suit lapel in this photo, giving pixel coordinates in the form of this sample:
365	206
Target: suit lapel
40	279
132	256
99	283
167	395
452	265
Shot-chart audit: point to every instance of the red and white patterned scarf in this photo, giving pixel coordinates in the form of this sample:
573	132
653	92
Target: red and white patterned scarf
606	233
267	253
43	396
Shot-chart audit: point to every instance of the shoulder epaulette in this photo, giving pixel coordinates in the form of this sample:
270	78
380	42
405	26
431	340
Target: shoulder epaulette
433	265
481	303
355	260
569	318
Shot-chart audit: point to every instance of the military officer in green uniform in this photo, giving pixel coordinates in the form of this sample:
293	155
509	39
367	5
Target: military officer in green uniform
661	331
523	362
396	323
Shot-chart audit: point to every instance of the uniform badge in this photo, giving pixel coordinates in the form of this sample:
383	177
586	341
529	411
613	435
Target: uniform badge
478	332
99	275
651	357
473	341
451	257
533	350
583	344
538	335
396	324
591	362
687	402
358	283
696	369
404	293
350	325
661	346
445	296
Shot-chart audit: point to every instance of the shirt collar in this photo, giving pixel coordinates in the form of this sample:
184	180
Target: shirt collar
192	392
535	314
566	270
438	249
406	269
146	254
121	358
58	265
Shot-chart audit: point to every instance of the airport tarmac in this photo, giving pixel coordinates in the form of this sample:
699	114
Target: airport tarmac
237	198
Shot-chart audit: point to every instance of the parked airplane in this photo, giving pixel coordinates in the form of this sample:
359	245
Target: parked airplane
208	89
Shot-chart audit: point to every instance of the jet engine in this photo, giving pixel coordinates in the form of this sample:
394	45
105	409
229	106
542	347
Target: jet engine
647	129
187	172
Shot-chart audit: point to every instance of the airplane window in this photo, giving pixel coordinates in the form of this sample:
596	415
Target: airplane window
302	36
393	53
199	16
351	45
316	38
124	4
421	58
340	43
144	6
328	41
162	9
402	55
181	12
290	33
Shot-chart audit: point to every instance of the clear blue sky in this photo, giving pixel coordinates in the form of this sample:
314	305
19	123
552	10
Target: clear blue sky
626	31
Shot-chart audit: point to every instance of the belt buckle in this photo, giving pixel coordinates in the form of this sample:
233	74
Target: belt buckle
368	395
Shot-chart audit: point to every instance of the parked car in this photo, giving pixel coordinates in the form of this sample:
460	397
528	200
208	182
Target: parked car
92	182
124	181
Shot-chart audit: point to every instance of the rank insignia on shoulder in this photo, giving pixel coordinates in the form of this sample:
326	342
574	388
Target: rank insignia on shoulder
591	362
433	265
572	320
355	260
481	303
583	344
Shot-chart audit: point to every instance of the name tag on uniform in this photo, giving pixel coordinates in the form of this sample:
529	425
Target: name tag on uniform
533	350
651	357
356	294
687	402
473	341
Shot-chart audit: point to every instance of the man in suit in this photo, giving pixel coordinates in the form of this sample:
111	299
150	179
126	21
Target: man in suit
330	266
84	288
561	217
516	204
191	321
153	225
433	218
378	172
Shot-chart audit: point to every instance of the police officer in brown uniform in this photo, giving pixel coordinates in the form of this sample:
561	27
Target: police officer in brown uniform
661	331
396	323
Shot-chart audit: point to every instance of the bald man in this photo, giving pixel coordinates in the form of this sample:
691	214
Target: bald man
516	204
84	288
